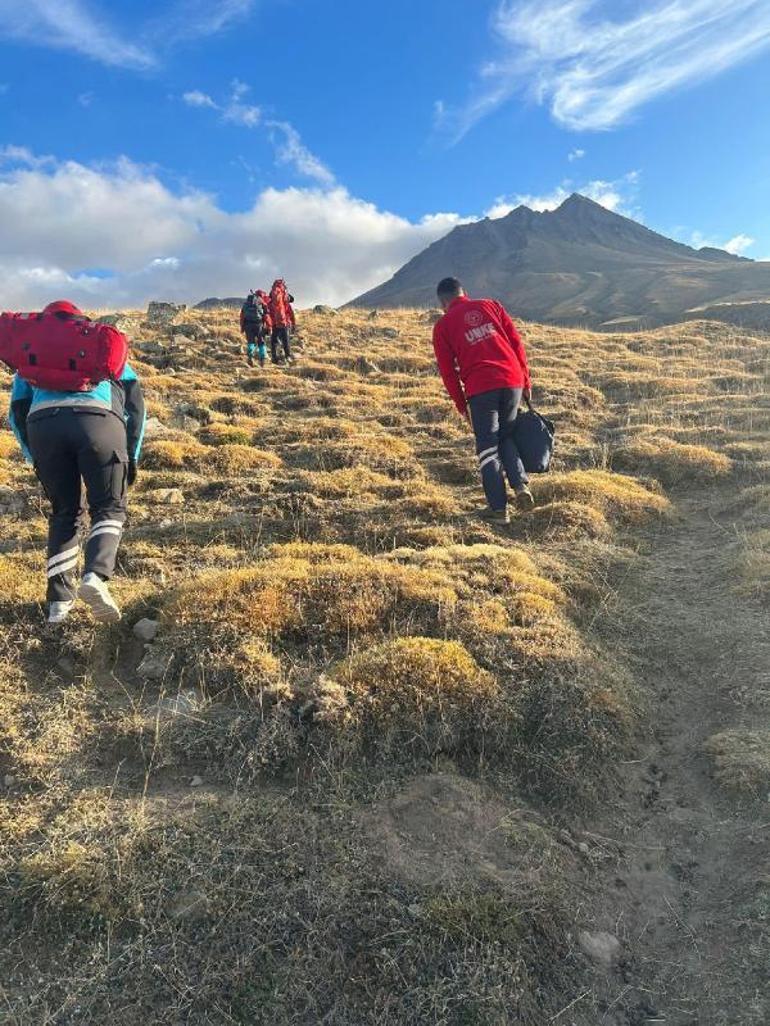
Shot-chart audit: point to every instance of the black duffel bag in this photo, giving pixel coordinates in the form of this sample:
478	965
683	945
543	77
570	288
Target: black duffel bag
534	435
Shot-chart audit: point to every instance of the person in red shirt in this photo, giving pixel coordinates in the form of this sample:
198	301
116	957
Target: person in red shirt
484	367
283	319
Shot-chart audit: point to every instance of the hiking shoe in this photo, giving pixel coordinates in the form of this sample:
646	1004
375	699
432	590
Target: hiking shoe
494	516
250	362
525	500
96	594
59	611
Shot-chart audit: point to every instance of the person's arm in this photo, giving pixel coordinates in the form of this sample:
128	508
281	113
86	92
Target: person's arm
21	400
447	367
513	336
136	418
292	318
242	321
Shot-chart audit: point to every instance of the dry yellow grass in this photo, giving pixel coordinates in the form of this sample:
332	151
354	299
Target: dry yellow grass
334	619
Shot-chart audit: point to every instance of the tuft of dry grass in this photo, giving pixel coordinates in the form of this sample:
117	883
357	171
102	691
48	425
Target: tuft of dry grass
741	761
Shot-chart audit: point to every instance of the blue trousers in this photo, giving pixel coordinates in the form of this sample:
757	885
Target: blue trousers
493	415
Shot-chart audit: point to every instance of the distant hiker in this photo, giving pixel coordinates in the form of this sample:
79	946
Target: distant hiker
283	319
78	413
256	326
484	367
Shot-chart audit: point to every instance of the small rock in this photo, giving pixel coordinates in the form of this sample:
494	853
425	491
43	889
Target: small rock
184	704
373	315
154	665
146	629
165	496
11	501
118	321
196	782
324	310
390	332
183	342
9	780
189	329
602	948
432	316
583	848
155	428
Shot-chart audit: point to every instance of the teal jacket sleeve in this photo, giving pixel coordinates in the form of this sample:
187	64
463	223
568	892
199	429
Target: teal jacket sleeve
135	412
21	400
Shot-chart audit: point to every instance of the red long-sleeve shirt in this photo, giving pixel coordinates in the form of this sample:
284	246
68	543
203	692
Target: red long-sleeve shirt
478	349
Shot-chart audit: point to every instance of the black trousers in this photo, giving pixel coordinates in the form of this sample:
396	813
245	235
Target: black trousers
255	341
70	448
493	415
280	335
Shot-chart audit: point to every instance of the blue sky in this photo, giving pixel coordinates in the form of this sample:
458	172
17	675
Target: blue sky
183	148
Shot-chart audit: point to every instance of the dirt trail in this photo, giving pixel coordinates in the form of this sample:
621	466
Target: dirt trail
683	861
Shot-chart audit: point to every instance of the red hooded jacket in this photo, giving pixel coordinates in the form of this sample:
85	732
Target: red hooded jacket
280	306
478	349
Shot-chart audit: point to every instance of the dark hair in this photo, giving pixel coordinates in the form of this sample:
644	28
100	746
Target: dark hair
449	288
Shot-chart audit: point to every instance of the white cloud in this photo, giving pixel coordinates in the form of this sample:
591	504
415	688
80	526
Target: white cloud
85	100
195	98
290	150
575	155
59	219
238	112
70	25
737	245
618	196
233	110
593	71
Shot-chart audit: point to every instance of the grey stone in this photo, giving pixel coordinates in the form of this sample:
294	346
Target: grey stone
188	328
119	321
196	782
154	664
155	428
146	629
9	780
11	501
184	704
328	310
160	314
602	948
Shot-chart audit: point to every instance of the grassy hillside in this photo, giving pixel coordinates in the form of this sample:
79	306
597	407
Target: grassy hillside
352	780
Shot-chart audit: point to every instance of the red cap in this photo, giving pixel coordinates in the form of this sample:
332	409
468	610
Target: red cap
63	306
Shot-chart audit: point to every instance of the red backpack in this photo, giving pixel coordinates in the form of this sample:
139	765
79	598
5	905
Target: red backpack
69	354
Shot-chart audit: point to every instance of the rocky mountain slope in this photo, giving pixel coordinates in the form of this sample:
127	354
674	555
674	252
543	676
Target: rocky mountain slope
578	265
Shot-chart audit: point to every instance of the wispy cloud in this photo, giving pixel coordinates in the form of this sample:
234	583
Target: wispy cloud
594	71
286	140
195	19
289	149
234	109
618	195
70	25
575	155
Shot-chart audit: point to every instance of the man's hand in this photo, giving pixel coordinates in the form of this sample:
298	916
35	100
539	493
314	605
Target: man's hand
526	395
132	472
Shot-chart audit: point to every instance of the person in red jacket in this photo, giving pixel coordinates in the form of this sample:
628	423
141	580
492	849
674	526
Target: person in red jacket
484	367
283	319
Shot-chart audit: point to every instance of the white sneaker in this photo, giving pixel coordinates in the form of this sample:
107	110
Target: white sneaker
96	594
59	611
